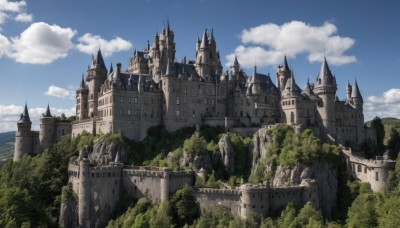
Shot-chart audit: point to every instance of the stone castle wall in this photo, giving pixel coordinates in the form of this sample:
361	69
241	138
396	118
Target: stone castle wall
208	198
373	171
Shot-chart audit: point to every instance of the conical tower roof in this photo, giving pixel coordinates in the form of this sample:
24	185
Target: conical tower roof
285	64
25	116
98	60
325	76
204	41
48	113
356	91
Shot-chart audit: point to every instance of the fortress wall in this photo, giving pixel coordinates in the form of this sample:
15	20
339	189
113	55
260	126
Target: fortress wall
105	193
280	197
245	131
208	198
143	183
83	125
62	128
179	179
73	173
214	121
373	171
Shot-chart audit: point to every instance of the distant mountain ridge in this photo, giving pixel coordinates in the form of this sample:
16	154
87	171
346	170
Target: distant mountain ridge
7	141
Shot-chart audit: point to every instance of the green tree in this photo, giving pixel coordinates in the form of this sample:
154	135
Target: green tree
18	208
394	143
288	215
309	217
380	133
363	211
184	208
195	145
389	213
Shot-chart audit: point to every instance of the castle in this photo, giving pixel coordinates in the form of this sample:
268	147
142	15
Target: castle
155	89
34	142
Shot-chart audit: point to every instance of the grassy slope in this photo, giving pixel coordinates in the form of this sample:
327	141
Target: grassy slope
7	140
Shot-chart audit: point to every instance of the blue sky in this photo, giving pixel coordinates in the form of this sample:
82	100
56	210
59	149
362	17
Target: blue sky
46	45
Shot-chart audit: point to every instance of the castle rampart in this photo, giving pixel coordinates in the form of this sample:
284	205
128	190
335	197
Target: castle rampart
374	171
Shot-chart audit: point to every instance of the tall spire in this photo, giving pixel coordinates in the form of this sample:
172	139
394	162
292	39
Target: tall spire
168	28
236	62
111	68
356	91
325	71
286	65
48	113
98	60
82	82
212	34
204	41
25	116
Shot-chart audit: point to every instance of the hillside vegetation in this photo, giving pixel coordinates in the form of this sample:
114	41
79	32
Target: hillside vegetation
7	140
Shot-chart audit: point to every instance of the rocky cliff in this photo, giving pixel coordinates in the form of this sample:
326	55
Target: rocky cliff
324	173
68	209
227	153
106	151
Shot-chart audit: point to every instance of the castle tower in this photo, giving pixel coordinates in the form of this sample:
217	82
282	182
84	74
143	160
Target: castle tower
82	109
84	191
325	88
96	75
235	69
203	57
23	137
255	83
47	129
291	96
254	198
283	73
348	91
356	97
165	184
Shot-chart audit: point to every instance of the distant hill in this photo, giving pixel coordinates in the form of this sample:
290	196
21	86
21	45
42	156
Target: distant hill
388	123
7	140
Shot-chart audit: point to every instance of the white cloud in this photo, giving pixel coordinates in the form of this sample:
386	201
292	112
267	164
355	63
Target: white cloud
268	43
10	114
24	17
10	8
13	6
3	17
4	45
89	44
42	43
59	92
386	105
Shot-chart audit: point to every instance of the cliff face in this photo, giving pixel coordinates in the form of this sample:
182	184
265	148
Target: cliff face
105	152
325	174
68	209
227	153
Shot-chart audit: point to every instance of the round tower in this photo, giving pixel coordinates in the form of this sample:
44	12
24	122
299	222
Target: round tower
47	129
291	96
23	137
356	97
165	184
82	111
84	192
348	91
325	88
254	198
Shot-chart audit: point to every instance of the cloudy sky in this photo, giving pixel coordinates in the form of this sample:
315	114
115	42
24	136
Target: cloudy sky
46	45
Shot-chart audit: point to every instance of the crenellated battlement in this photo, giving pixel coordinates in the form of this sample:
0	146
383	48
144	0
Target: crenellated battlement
218	191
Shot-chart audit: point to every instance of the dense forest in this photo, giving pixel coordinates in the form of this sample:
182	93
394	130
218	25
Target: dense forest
30	189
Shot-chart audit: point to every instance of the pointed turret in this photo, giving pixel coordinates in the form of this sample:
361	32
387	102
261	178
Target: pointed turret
204	43
325	76
111	68
117	158
98	61
48	114
25	116
285	64
348	90
82	85
355	93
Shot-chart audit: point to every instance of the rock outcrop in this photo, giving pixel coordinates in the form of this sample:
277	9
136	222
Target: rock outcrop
197	162
68	209
227	153
324	173
258	149
105	152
